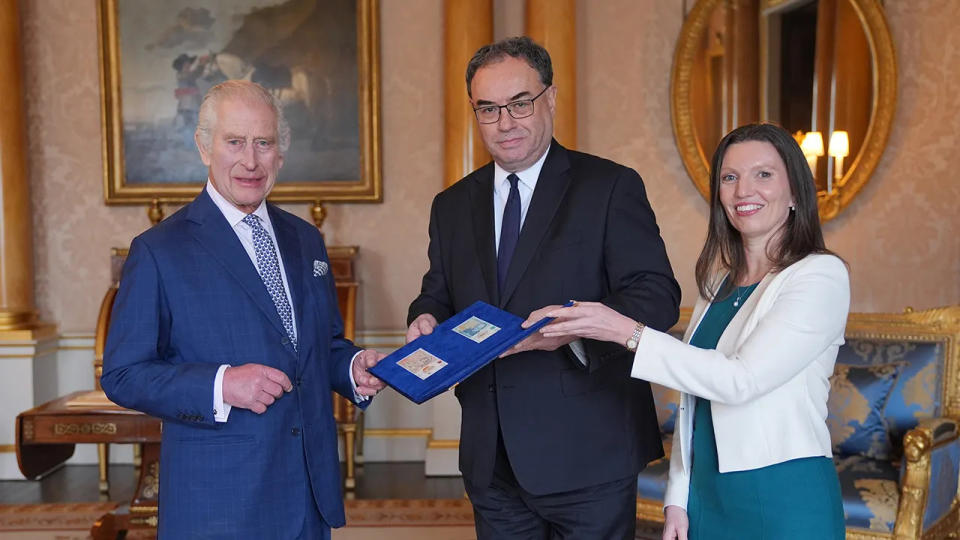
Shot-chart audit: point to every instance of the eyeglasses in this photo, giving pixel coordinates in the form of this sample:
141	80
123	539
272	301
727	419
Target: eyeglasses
521	108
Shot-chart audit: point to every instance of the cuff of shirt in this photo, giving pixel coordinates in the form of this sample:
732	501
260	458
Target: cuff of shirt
353	383
577	347
221	410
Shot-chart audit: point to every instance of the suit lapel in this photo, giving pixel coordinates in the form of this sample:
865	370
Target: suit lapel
481	203
289	245
551	187
215	235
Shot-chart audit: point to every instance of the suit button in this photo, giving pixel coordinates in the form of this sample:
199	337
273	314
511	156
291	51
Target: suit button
295	431
285	340
299	381
492	388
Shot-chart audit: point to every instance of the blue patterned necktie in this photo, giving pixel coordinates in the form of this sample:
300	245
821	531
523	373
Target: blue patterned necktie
269	269
509	231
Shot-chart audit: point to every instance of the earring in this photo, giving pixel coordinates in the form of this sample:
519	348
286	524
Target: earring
793	208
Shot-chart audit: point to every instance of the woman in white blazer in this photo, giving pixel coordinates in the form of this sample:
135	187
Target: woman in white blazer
751	453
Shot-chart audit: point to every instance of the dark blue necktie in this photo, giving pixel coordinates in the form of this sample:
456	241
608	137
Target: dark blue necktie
269	270
509	231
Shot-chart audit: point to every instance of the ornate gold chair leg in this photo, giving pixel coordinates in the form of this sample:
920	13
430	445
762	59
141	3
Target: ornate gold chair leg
349	435
103	459
358	459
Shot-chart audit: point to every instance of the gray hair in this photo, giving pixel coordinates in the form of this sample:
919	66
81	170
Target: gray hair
520	47
241	89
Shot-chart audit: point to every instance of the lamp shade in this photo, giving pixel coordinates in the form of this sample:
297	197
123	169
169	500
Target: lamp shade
839	144
812	144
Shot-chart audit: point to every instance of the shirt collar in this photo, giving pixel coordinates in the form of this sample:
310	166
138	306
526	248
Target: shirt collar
233	214
528	177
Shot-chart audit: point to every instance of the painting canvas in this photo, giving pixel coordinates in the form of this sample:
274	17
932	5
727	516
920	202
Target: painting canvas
317	56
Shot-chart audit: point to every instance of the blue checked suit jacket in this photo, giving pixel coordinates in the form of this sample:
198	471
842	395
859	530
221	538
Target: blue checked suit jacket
190	299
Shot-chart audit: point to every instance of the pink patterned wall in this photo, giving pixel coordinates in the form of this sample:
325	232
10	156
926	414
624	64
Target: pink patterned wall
901	237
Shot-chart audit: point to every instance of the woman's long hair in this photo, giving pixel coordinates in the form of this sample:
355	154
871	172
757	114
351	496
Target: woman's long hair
800	235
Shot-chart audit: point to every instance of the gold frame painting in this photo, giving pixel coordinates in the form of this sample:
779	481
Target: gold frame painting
149	112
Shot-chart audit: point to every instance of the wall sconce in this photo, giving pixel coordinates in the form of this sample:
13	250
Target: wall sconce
839	149
812	147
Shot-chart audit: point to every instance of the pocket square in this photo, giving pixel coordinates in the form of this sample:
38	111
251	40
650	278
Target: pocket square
320	268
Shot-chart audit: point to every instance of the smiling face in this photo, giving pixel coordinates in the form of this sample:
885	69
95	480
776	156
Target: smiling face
515	144
244	156
755	190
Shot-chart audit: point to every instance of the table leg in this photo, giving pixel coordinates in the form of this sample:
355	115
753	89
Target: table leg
103	459
141	513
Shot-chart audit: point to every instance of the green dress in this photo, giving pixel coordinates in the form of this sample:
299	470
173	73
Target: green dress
797	499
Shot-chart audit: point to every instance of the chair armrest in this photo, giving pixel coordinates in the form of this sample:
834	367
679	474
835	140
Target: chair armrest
928	492
942	428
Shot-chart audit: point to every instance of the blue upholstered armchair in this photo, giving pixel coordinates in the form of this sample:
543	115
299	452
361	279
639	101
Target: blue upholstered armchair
894	411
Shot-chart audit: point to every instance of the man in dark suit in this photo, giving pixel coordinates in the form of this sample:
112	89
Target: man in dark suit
226	327
552	436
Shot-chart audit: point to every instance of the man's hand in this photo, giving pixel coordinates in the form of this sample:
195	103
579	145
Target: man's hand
676	523
254	386
367	384
421	326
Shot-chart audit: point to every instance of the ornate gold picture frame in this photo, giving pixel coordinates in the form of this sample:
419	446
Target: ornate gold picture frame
321	57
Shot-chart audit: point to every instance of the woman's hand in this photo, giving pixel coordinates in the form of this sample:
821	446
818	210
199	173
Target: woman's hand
676	523
591	320
537	341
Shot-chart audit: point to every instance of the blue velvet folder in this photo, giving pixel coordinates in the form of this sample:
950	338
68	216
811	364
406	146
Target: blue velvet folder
457	348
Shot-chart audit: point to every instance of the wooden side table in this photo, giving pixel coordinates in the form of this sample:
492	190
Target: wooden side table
47	435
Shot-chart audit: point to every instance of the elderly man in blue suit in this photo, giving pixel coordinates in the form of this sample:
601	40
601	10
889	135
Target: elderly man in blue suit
226	327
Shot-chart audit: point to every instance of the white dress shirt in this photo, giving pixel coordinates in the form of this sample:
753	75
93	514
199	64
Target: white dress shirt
526	185
244	232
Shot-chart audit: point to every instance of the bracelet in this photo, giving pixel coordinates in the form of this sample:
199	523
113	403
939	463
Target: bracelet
634	339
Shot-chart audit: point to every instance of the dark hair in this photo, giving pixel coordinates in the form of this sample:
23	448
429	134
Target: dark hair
517	47
184	58
800	236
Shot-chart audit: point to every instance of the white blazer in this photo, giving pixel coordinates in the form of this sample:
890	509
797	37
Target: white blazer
767	380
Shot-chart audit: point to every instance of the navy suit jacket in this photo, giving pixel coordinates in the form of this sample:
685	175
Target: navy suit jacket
191	299
589	234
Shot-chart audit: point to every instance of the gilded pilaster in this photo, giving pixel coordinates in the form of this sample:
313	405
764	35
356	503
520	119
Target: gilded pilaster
553	24
468	25
18	317
27	347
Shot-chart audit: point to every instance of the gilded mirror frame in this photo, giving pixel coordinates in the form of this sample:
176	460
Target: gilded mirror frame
696	160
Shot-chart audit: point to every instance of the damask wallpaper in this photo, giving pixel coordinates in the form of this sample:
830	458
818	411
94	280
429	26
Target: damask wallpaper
901	237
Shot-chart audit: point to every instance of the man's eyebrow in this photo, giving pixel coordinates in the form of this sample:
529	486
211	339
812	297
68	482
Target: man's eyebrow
255	137
521	95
